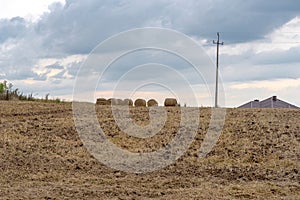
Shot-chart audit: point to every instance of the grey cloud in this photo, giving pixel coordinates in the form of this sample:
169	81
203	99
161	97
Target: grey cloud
19	74
237	20
135	59
245	72
249	66
60	75
80	25
39	77
12	28
55	66
72	68
18	62
278	57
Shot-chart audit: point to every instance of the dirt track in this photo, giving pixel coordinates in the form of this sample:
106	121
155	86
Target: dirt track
42	157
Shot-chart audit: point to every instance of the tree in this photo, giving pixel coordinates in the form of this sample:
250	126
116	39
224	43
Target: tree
6	90
9	87
47	97
2	89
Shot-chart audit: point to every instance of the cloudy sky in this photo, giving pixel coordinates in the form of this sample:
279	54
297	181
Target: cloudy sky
44	43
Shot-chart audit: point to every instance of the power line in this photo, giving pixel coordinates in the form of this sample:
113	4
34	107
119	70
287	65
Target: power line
217	67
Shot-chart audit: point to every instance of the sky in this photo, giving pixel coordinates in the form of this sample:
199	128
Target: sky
45	44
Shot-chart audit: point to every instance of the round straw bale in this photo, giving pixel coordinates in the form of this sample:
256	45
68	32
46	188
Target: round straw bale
101	101
170	102
112	101
140	103
152	102
119	102
128	102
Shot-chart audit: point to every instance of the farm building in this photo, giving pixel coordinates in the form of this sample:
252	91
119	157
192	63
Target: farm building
272	102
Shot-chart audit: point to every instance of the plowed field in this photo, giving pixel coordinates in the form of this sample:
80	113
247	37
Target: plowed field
42	157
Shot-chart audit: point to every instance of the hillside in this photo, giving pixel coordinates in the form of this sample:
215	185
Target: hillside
41	156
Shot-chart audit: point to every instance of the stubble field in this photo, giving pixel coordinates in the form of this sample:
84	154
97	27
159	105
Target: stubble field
42	157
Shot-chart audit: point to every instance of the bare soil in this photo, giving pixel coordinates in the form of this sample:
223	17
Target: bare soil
41	156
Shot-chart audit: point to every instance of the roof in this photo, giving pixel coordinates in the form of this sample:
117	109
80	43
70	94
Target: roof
272	102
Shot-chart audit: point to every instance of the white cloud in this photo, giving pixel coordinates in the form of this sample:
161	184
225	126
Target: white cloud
283	38
271	85
29	9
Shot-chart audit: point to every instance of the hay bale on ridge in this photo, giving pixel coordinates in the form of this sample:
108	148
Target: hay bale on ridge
170	102
110	101
117	102
102	101
140	103
152	102
127	102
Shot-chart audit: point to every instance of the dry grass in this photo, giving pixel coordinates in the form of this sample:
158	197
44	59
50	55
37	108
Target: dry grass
41	157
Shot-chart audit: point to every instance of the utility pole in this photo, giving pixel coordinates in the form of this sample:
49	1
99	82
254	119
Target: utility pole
217	67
